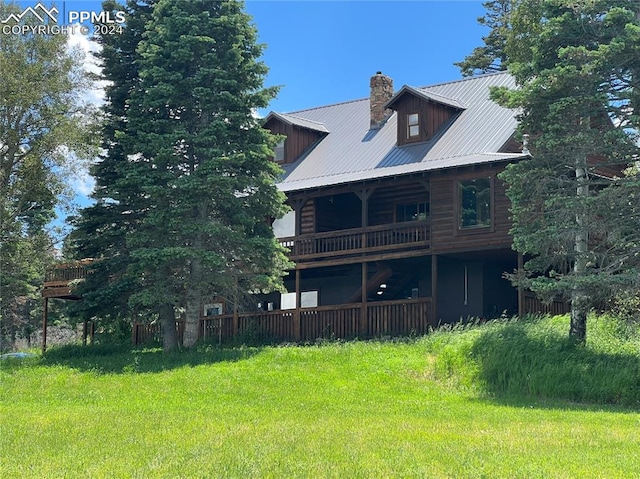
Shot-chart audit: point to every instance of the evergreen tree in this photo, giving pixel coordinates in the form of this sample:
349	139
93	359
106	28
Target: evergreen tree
195	180
574	208
100	231
44	127
491	57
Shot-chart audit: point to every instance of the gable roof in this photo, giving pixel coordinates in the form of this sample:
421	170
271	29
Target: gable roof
425	95
352	151
296	121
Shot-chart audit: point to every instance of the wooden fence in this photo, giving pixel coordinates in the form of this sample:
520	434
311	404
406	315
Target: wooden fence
534	305
388	318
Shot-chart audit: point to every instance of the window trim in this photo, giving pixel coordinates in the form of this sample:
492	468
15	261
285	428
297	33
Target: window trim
479	229
407	203
409	136
280	147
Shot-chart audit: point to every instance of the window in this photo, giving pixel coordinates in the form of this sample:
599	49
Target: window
413	125
474	203
278	153
412	212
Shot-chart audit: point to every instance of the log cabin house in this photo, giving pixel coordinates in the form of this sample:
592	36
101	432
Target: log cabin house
399	221
396	201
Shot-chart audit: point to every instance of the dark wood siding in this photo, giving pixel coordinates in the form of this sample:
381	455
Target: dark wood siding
383	201
298	139
308	223
445	235
432	116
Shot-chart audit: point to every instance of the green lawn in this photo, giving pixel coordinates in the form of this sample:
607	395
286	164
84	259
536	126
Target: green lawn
424	408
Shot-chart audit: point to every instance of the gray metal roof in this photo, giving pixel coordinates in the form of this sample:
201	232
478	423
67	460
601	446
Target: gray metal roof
297	121
352	151
427	95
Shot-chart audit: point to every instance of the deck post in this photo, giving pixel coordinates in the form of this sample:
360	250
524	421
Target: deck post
296	312
520	290
45	314
364	320
434	289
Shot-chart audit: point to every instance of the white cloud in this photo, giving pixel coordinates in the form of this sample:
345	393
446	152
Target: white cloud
80	181
77	40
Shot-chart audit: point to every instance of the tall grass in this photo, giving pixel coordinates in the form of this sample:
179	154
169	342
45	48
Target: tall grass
452	404
534	357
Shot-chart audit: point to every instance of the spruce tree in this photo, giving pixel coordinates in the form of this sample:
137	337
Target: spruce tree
490	57
194	178
575	201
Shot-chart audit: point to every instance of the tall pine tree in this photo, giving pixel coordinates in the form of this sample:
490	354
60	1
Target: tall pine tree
574	203
490	57
194	183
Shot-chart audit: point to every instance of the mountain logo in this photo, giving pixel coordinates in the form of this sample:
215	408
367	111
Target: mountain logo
44	12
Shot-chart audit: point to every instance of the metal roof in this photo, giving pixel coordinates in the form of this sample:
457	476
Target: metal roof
427	95
352	151
297	121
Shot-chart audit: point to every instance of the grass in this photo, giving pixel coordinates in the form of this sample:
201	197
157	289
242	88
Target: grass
453	404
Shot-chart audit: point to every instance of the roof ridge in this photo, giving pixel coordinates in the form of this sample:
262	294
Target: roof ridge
475	77
326	106
302	118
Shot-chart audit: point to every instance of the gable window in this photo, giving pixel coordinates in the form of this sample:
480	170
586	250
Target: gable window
278	152
413	125
412	212
474	203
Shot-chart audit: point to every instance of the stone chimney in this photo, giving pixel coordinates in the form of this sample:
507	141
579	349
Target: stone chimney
381	92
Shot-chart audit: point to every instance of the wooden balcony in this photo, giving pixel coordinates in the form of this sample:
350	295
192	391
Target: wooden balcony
381	319
57	280
357	241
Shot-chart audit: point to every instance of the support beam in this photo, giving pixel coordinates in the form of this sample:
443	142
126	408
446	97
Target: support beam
297	205
363	305
296	314
434	289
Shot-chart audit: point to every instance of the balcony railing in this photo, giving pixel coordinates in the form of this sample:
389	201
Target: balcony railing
57	280
359	240
66	272
385	318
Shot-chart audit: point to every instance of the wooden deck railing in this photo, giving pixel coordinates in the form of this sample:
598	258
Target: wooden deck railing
534	305
388	318
358	240
63	273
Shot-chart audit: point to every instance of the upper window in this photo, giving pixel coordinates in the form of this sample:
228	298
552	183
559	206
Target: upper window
412	212
474	203
413	125
278	152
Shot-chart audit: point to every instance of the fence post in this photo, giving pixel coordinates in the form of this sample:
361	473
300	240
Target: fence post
363	302
296	313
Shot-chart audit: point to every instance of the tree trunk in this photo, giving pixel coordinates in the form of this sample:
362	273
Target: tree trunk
194	304
579	298
192	317
579	310
169	333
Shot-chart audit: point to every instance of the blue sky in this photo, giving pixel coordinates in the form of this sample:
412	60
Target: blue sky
324	52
